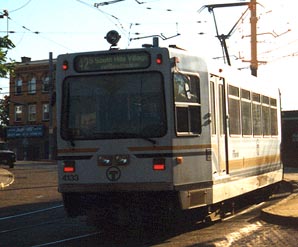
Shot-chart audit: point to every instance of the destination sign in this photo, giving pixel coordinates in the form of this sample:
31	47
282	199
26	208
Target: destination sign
115	61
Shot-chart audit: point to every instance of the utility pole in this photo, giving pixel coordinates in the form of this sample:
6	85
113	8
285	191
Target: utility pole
252	6
222	38
253	27
51	83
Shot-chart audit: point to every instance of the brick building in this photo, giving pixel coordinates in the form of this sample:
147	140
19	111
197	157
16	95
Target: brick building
289	145
32	116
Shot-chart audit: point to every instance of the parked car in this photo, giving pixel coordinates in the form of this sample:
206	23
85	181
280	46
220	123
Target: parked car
7	157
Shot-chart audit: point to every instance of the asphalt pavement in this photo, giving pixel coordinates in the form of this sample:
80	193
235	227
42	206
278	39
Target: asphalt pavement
284	212
6	178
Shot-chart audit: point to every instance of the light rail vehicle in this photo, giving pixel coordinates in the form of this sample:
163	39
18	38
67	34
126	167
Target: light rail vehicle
159	129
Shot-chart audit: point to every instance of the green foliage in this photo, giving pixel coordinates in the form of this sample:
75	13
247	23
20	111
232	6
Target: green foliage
4	111
5	67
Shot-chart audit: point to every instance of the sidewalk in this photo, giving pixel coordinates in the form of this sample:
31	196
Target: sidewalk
37	162
285	212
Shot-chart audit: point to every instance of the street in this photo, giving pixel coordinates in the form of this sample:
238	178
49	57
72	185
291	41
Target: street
32	214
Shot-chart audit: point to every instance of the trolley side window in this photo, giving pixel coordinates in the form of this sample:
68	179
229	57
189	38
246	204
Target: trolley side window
266	116
257	114
246	112
213	115
252	113
234	110
221	108
187	104
273	113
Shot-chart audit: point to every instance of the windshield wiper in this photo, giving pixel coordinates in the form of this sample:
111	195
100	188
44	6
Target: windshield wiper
72	143
71	139
148	139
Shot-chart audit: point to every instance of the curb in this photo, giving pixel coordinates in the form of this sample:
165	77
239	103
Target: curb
6	178
38	162
272	215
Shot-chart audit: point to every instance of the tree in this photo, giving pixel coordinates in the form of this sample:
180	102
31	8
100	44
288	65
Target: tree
4	111
4	116
5	67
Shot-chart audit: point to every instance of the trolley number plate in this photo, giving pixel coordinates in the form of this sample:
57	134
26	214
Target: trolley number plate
70	177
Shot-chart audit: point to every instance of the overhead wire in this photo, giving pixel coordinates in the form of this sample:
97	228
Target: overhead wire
126	29
115	20
112	18
38	33
273	50
23	6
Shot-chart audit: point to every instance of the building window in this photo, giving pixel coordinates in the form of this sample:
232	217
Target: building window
45	84
18	110
32	86
45	112
18	86
32	113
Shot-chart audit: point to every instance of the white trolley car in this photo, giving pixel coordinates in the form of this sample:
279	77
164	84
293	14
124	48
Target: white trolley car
143	130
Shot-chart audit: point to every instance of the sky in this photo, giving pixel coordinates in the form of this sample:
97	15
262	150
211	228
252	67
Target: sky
38	27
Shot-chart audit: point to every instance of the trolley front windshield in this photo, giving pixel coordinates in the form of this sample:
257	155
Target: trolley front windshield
128	105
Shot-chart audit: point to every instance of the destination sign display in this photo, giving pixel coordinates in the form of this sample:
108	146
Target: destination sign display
114	61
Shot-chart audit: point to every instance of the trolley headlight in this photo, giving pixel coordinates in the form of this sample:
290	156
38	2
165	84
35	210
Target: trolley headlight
113	37
113	160
105	160
121	160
